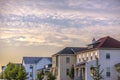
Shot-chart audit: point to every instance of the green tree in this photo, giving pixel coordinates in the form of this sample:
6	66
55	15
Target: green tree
50	76
71	73
97	72
21	75
14	71
40	75
117	66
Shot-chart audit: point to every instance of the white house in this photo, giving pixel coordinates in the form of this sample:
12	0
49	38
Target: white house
107	50
33	64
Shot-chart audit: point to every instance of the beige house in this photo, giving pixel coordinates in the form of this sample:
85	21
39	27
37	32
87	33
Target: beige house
63	61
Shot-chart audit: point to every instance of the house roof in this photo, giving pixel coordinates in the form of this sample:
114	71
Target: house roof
34	60
71	50
106	42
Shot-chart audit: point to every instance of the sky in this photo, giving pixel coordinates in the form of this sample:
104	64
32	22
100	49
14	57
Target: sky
44	27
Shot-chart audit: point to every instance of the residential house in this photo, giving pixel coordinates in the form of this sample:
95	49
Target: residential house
63	61
33	64
107	50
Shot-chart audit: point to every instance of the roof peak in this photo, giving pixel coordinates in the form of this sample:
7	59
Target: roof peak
34	60
107	42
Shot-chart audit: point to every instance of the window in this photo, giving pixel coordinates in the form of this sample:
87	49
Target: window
108	72
108	56
67	71
31	67
86	58
30	74
77	72
67	60
91	58
79	59
83	59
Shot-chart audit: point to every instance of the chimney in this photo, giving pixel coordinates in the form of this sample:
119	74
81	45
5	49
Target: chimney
93	41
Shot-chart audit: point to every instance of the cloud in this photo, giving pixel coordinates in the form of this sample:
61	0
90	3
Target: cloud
43	27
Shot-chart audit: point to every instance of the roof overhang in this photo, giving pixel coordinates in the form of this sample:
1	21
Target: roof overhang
80	64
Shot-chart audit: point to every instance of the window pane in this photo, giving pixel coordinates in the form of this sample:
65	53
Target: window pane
67	60
107	56
108	71
67	71
108	74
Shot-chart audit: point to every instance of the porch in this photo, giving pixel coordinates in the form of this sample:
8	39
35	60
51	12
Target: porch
80	71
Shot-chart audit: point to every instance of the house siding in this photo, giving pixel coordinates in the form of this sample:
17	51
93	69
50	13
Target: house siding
101	54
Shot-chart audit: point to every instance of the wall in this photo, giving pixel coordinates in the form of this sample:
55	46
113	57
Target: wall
63	66
114	59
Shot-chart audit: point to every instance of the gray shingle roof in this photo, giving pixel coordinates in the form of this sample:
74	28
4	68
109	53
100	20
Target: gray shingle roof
71	50
34	60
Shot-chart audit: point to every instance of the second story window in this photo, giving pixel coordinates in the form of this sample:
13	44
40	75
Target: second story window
108	56
67	59
31	67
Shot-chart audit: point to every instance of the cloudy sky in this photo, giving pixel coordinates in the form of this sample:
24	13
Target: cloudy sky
43	27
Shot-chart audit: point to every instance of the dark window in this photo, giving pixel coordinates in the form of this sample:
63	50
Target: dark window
67	60
108	72
77	72
31	67
91	57
86	58
30	74
67	71
107	56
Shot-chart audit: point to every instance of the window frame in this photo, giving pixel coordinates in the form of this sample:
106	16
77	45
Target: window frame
108	73
67	71
107	55
67	59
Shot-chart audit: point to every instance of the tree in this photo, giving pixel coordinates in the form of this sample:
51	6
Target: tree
21	73
97	72
14	71
50	76
71	73
40	75
117	66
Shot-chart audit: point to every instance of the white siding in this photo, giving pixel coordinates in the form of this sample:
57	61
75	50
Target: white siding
114	59
37	66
